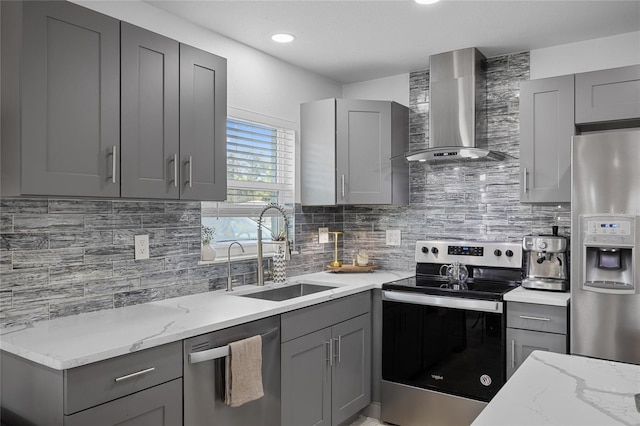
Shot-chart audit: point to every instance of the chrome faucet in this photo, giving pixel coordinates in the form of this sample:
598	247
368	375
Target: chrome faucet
287	251
229	280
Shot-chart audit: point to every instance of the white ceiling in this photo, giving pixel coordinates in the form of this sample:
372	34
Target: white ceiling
359	40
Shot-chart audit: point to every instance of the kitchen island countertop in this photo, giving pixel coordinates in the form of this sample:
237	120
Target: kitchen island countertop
95	336
559	389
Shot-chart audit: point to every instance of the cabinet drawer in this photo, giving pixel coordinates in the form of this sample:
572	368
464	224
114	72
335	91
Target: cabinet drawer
307	320
160	405
550	319
113	378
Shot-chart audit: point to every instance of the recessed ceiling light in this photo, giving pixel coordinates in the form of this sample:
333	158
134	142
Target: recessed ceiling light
283	38
426	1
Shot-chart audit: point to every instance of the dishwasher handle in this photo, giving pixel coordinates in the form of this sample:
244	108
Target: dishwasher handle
219	352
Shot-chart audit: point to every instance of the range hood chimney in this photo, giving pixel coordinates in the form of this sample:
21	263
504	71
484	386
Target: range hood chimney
457	114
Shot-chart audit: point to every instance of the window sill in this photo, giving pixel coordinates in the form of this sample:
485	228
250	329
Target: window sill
236	258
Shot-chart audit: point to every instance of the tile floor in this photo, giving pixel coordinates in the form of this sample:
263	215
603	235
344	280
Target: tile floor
366	421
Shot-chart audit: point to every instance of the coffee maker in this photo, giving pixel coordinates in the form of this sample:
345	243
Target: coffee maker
545	258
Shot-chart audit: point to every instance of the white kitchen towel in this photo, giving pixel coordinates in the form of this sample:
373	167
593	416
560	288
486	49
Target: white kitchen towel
244	372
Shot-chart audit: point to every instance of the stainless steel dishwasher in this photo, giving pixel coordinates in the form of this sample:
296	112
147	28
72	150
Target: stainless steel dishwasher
204	359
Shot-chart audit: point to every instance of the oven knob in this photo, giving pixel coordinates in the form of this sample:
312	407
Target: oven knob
497	252
425	249
508	253
434	250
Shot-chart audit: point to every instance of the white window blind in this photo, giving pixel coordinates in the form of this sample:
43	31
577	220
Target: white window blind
260	170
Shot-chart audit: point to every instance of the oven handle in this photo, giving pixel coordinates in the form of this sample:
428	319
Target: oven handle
445	302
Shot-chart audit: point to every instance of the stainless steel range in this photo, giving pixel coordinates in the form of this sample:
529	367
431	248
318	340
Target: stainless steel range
443	348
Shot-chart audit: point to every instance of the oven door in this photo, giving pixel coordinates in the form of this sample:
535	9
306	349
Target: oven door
446	344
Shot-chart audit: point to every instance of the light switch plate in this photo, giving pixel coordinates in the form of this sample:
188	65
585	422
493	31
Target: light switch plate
394	237
142	247
323	235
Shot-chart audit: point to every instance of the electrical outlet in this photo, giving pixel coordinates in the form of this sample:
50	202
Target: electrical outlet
142	247
323	235
394	237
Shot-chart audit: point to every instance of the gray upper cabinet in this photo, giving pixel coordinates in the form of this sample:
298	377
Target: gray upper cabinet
608	95
546	128
203	128
95	107
149	114
351	152
63	120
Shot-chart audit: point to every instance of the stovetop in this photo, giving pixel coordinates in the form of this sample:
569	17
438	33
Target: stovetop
494	268
439	286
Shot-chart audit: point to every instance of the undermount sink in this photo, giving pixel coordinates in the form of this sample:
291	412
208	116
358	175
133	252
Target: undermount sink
287	292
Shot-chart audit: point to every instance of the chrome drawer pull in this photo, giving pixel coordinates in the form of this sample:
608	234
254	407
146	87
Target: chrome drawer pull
329	345
136	374
534	318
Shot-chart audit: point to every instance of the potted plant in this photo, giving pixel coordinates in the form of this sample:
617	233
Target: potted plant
208	253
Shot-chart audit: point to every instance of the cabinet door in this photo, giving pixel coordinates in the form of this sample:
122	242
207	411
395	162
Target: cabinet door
318	153
363	152
351	374
149	114
546	128
520	344
203	125
306	380
157	406
608	95
70	86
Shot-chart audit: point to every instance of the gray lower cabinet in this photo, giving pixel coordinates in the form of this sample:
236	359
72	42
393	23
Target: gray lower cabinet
546	128
149	114
608	95
532	327
351	152
141	388
326	371
60	100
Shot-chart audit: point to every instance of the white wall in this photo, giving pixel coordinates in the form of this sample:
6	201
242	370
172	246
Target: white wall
602	53
394	88
257	82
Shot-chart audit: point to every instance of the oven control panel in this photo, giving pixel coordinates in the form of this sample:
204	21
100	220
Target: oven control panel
479	253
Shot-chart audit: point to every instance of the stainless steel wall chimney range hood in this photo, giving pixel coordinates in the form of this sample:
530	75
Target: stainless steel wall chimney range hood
457	114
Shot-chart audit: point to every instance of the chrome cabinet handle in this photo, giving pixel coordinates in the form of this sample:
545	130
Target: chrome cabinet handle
534	318
513	354
136	374
524	180
190	171
343	187
114	165
175	170
339	348
330	351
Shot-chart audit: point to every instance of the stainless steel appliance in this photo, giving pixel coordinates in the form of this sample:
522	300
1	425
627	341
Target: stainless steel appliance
545	262
443	343
204	359
605	228
457	115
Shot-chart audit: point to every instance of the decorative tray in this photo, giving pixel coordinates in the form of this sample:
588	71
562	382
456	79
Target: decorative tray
352	268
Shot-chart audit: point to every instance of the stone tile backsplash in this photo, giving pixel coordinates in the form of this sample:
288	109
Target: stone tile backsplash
60	257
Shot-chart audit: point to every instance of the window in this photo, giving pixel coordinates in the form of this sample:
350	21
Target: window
260	170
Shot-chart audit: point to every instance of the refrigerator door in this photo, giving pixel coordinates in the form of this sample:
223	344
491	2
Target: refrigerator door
605	181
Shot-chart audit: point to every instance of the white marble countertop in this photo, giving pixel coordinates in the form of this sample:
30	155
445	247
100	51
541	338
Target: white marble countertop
559	389
85	338
539	297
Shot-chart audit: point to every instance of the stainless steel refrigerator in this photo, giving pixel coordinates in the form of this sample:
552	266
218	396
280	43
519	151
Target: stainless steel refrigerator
605	245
